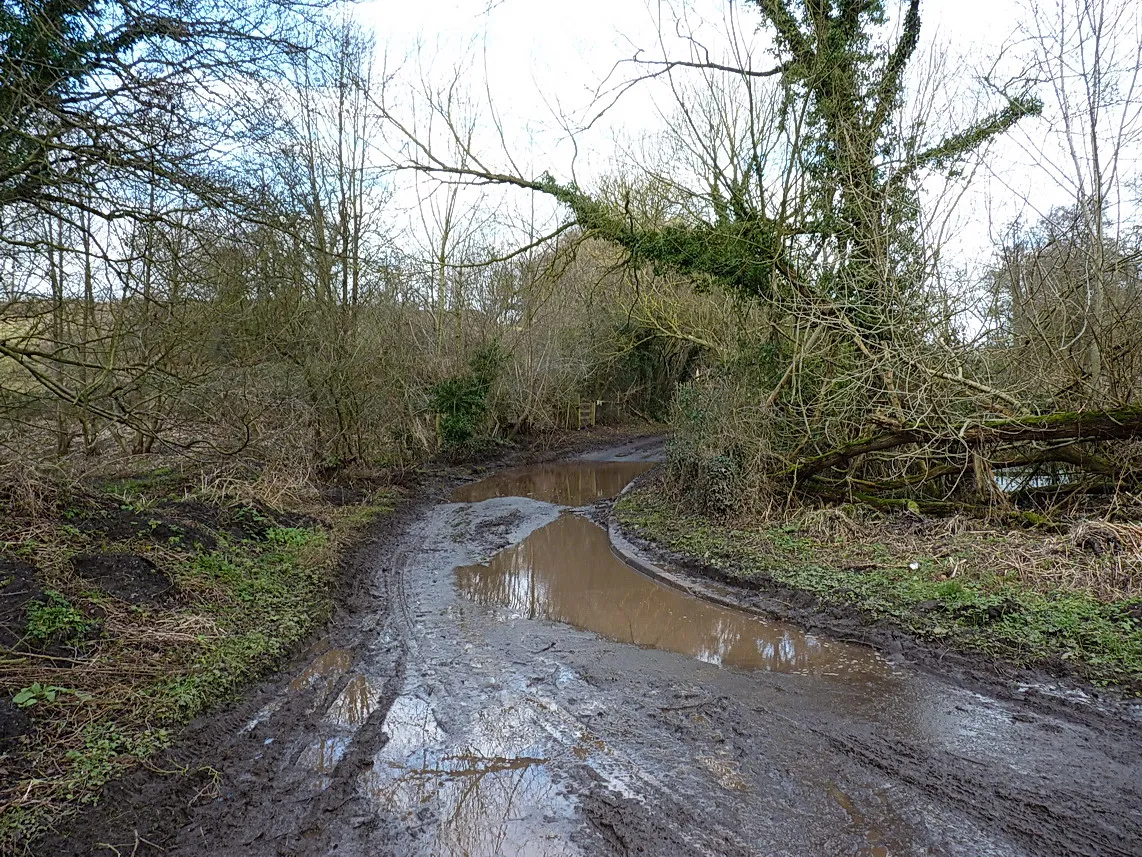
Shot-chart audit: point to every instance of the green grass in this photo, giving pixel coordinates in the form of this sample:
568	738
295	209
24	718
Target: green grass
107	749
162	481
54	619
997	614
264	597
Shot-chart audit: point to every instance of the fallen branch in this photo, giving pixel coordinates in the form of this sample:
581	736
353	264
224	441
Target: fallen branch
1119	424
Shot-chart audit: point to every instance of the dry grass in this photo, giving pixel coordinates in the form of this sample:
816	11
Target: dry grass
1098	558
276	487
30	490
829	523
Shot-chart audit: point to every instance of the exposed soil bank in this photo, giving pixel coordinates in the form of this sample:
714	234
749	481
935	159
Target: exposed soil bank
125	614
453	707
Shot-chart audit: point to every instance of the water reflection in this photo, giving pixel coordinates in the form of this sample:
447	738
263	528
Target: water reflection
566	571
573	483
325	667
324	755
493	796
357	701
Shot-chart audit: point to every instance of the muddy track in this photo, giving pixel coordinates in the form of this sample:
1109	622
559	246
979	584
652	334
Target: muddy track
221	786
499	683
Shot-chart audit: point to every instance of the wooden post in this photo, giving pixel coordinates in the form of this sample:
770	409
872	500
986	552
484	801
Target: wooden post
586	413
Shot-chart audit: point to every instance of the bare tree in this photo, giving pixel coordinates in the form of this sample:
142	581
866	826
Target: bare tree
1074	313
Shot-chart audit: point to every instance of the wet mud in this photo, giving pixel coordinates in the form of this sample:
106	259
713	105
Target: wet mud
18	588
504	685
129	577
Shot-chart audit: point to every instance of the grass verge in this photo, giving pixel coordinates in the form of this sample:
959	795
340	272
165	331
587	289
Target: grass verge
1067	604
131	606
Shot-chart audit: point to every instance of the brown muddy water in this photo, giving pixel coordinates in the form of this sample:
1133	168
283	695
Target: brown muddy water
565	484
567	572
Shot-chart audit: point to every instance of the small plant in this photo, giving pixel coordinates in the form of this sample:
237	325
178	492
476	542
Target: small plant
36	693
787	538
106	749
249	513
56	618
950	589
26	549
139	505
292	536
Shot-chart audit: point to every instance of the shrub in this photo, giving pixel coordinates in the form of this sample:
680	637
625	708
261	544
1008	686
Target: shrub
721	453
462	401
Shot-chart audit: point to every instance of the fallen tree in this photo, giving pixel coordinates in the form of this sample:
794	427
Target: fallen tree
938	470
846	375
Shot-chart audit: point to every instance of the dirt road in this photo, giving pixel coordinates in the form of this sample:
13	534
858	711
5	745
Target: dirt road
508	687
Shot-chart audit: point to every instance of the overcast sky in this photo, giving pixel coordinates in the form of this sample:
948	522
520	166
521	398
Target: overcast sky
538	61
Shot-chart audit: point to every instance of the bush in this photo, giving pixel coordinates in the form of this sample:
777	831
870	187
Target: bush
462	401
720	455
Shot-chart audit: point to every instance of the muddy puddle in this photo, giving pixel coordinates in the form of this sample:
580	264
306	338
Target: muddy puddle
325	668
575	483
567	572
492	796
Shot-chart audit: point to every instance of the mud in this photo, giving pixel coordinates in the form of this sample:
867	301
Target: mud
175	523
162	525
13	724
479	694
17	587
129	577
